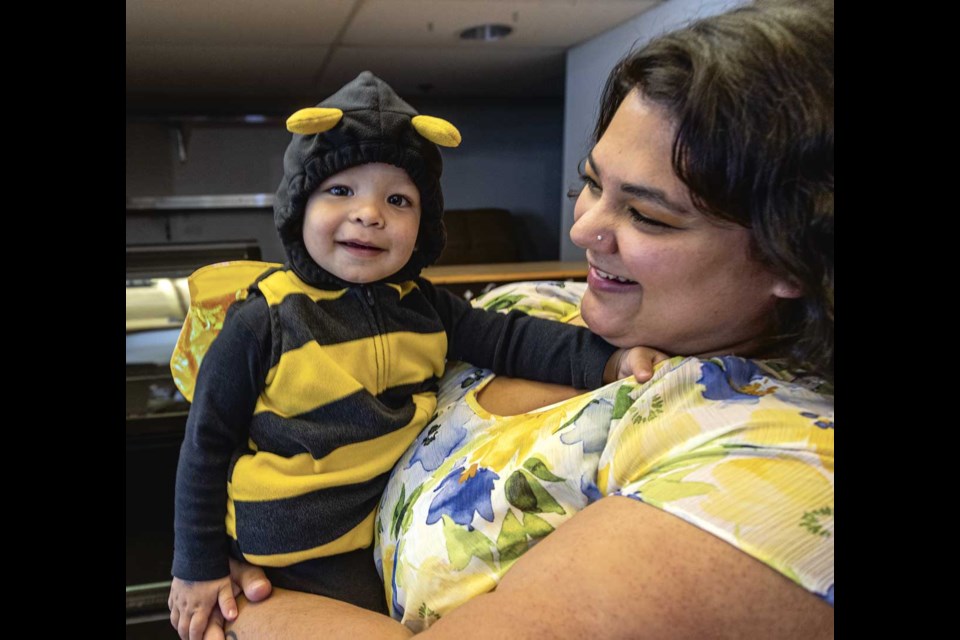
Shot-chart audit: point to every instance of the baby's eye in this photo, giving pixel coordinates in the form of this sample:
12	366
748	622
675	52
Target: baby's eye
340	190
398	200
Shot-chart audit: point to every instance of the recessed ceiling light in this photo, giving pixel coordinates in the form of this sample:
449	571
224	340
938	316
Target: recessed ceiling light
486	32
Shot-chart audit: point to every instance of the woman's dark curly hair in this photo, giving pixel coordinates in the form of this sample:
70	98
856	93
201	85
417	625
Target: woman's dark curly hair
751	95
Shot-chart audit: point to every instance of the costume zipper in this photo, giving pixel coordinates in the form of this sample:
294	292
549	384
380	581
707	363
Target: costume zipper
379	344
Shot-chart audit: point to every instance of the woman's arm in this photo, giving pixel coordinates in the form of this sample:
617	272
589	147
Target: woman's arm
290	615
619	568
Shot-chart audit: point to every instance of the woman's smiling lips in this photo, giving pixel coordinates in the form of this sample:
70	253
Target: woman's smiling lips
605	281
361	249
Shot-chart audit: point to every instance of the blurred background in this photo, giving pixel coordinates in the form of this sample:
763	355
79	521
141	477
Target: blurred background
209	84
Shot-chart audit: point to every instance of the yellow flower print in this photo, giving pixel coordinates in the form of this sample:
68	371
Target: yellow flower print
517	436
781	428
641	447
765	499
433	583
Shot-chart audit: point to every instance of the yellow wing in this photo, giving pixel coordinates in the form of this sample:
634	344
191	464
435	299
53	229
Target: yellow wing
213	289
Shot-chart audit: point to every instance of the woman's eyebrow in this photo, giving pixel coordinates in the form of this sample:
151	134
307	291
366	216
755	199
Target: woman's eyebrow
656	196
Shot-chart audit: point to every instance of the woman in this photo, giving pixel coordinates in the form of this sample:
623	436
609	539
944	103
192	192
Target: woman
700	502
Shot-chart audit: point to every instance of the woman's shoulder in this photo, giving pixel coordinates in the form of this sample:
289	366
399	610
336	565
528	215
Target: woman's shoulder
782	370
724	403
734	448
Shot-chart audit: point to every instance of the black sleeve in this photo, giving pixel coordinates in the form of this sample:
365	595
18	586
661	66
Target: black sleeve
229	381
519	345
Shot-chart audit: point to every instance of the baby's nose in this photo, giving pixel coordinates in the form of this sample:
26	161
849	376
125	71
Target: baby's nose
368	214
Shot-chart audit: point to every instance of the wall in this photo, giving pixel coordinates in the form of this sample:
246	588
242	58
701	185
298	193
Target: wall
510	158
587	67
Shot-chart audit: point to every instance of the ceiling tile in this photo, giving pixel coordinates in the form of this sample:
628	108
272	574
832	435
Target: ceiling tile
248	22
452	71
239	70
535	23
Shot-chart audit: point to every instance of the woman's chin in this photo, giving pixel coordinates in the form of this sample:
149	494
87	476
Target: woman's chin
608	323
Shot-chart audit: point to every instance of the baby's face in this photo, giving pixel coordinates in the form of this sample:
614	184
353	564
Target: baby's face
361	224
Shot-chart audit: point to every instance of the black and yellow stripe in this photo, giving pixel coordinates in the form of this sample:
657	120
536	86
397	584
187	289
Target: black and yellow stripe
352	382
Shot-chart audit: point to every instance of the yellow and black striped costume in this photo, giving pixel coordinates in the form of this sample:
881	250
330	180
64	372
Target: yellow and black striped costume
309	396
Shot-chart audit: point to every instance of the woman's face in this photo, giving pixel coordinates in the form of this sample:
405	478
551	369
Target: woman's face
662	274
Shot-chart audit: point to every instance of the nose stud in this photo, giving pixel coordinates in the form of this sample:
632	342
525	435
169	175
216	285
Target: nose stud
599	237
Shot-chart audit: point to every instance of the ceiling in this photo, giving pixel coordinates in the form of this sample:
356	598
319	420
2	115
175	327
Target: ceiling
255	56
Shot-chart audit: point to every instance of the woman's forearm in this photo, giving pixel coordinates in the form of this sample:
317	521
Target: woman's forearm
292	615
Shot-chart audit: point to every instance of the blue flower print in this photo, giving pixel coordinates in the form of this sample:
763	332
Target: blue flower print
398	607
589	489
435	443
818	420
828	596
584	428
737	380
463	492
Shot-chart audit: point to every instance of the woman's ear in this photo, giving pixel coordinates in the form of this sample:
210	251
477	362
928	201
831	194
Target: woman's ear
787	289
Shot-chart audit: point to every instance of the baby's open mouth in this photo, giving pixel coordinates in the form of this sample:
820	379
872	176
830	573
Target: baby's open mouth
362	246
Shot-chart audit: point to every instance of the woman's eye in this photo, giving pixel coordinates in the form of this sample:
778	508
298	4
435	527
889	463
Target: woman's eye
639	218
588	183
398	200
339	190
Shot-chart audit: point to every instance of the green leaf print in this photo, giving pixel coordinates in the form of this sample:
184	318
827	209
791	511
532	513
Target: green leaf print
670	487
519	493
515	538
812	521
402	512
535	526
398	510
512	541
623	401
545	501
502	302
463	544
538	467
656	408
525	493
575	417
426	613
407	516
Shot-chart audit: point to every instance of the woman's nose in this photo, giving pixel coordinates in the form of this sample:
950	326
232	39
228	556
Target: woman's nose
590	231
368	214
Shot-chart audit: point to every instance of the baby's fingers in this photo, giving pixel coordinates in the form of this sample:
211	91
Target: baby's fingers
228	606
658	356
174	616
183	625
214	627
639	362
198	624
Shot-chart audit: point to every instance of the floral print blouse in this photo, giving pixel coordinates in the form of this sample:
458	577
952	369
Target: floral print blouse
742	449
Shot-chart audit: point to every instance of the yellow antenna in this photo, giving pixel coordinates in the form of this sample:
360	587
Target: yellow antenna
437	130
313	120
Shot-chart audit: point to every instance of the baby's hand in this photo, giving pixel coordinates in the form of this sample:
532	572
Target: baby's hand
192	601
637	361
